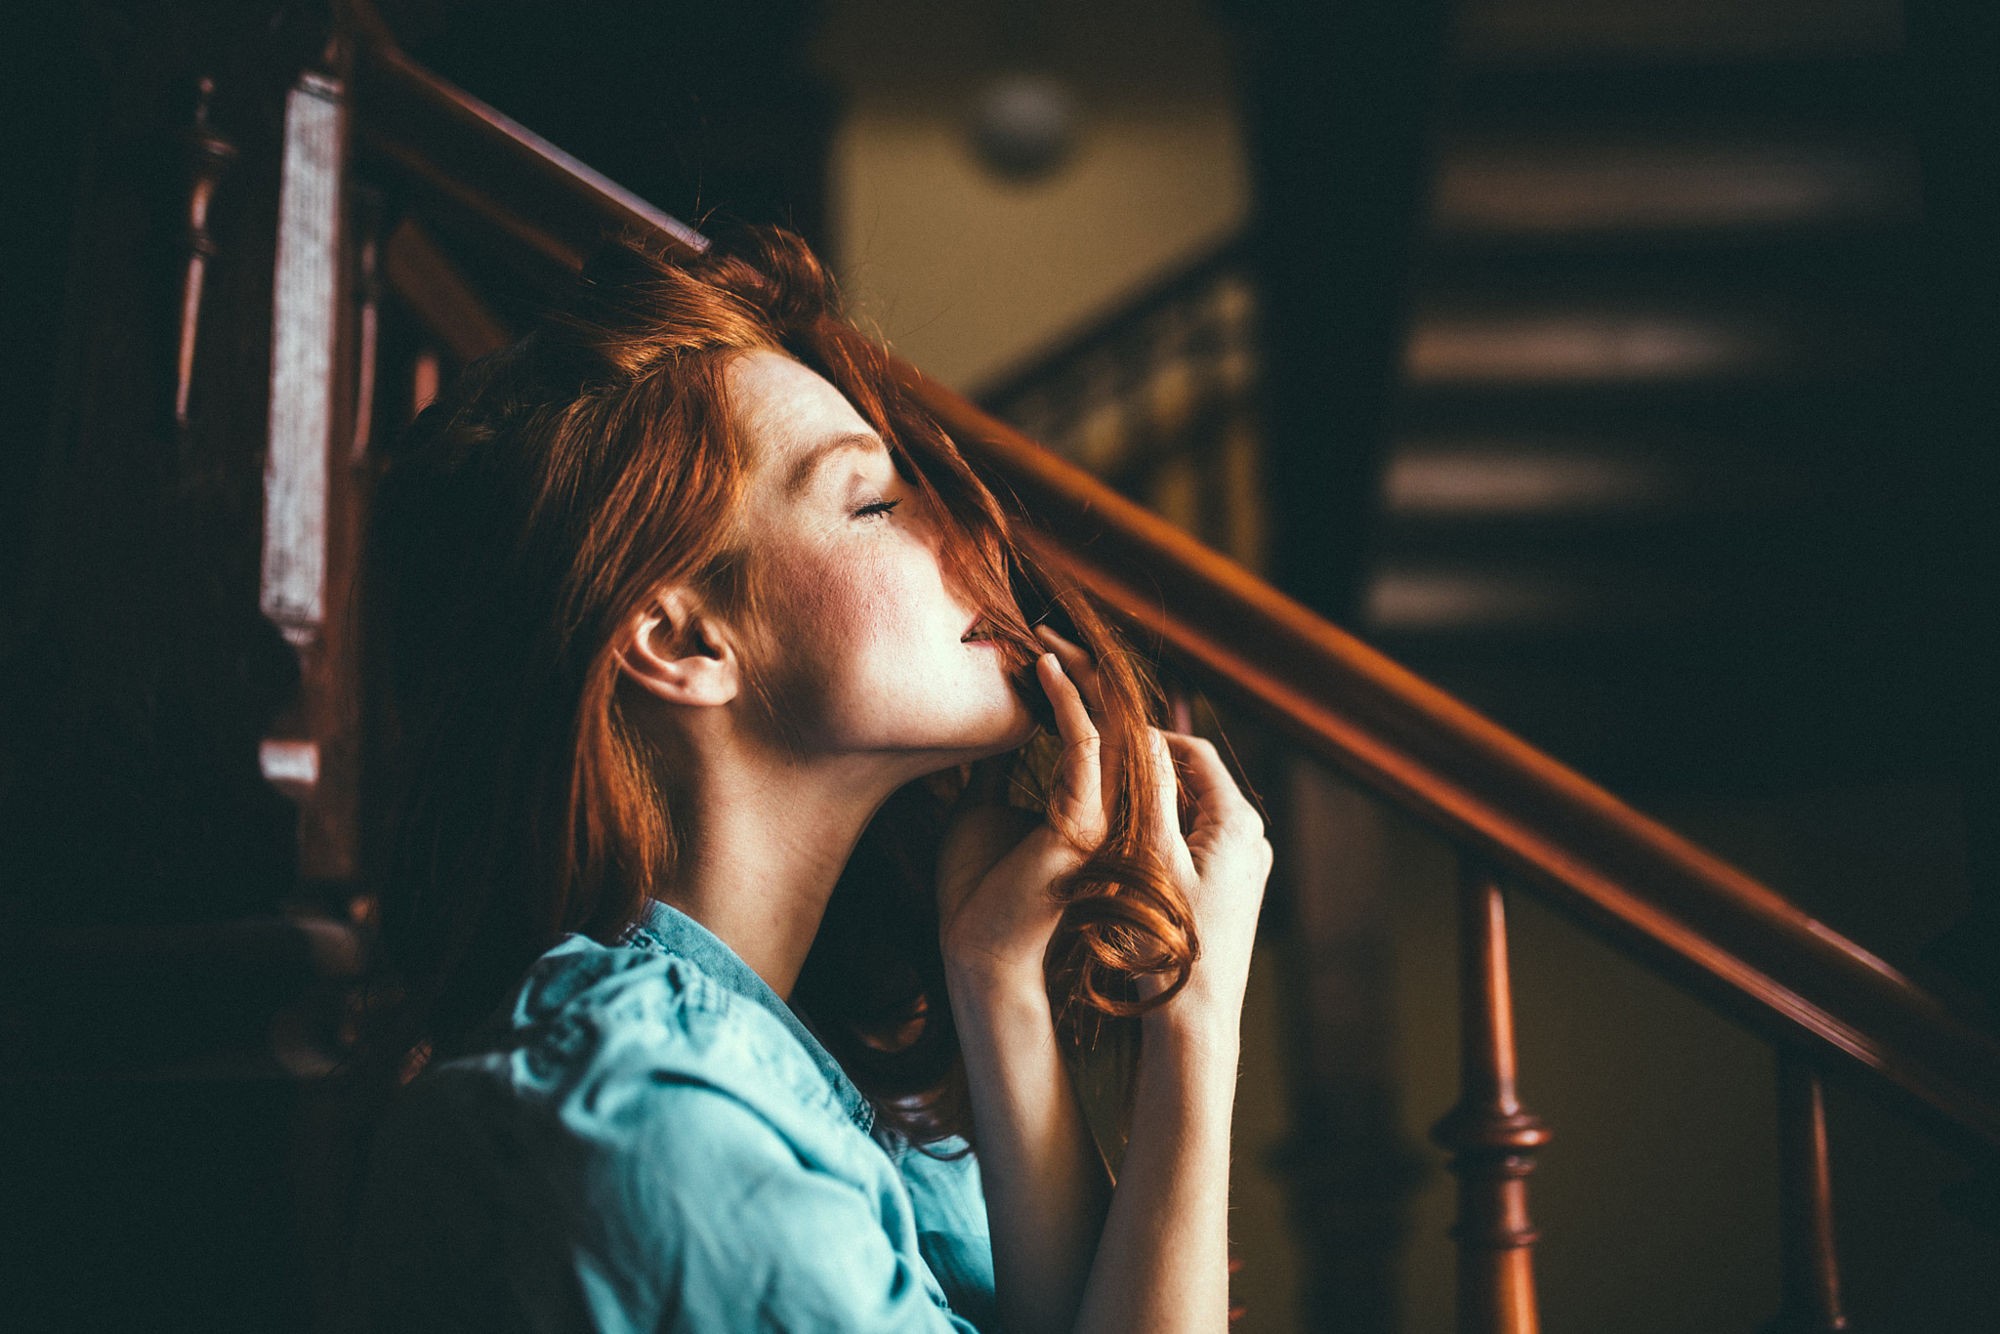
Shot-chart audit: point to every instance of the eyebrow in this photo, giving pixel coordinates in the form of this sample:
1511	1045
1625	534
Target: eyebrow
809	463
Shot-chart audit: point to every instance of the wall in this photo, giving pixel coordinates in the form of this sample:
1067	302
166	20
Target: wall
967	273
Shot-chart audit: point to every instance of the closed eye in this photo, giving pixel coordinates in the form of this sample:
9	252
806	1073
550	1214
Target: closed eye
876	508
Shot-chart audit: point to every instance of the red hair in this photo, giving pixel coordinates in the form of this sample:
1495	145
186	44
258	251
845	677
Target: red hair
528	515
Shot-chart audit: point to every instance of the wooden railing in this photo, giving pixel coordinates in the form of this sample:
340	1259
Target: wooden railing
1512	811
1158	397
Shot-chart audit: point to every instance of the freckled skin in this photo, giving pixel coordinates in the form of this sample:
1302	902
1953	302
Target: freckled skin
862	630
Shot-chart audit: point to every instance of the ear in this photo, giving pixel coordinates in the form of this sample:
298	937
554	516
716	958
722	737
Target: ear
676	651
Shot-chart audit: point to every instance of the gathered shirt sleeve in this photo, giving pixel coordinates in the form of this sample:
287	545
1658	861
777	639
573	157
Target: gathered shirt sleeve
952	1233
650	1149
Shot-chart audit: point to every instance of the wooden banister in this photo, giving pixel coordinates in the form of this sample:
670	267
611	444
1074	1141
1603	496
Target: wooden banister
1677	908
1685	912
431	285
477	162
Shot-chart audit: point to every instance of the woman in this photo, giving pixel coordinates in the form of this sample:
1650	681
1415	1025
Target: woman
723	907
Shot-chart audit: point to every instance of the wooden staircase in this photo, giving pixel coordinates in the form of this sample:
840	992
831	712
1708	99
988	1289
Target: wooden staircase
1637	498
1664	323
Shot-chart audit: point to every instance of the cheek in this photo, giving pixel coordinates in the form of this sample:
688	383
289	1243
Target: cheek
840	604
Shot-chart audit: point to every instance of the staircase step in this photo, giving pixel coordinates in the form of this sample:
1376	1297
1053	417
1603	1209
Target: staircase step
1474	478
1570	341
1581	188
1406	598
1691	29
1557	91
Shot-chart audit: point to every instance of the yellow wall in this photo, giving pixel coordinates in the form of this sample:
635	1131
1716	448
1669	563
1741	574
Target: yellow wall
967	273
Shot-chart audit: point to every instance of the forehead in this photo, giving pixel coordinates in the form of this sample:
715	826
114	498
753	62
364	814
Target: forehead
783	409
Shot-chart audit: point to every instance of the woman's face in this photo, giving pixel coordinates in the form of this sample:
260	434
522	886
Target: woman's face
863	642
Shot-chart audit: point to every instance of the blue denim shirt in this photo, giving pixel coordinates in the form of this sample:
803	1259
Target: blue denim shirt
653	1141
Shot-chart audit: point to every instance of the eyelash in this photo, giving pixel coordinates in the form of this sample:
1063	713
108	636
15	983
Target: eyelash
876	508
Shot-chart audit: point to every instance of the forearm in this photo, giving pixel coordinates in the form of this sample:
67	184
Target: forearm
1046	1187
1162	1263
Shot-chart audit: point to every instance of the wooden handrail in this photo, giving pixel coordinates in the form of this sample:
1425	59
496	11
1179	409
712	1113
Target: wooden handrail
474	159
1674	906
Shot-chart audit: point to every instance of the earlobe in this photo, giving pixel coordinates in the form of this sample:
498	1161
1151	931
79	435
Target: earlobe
674	650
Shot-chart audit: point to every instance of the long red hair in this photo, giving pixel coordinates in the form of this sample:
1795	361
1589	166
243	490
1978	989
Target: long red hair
526	516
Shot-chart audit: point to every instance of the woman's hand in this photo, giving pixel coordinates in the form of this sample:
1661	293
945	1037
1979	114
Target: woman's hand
999	864
1157	1258
1046	1185
1228	859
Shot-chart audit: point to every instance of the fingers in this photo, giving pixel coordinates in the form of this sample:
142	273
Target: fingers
1078	665
1219	809
1078	800
1075	660
1165	808
1072	716
1218	801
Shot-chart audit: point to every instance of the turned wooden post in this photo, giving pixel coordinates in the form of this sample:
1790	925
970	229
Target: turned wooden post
1492	1139
210	155
368	209
1809	1300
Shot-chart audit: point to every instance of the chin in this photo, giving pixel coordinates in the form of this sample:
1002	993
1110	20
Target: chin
1007	733
1020	734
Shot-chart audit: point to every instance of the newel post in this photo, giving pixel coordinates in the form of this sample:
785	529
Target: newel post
311	508
1491	1137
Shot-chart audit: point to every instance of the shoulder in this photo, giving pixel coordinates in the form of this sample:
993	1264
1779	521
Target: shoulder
615	1057
605	1037
631	1135
595	1043
688	1210
583	986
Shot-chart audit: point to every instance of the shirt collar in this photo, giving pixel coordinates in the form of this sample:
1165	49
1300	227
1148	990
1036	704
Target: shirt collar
672	930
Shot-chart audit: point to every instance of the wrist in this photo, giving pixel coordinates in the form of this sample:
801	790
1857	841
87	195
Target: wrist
1196	1020
993	988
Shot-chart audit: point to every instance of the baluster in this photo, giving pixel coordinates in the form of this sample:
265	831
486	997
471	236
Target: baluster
1491	1137
211	155
1809	1300
426	377
367	322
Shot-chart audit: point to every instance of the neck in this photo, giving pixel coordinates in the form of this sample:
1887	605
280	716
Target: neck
762	843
